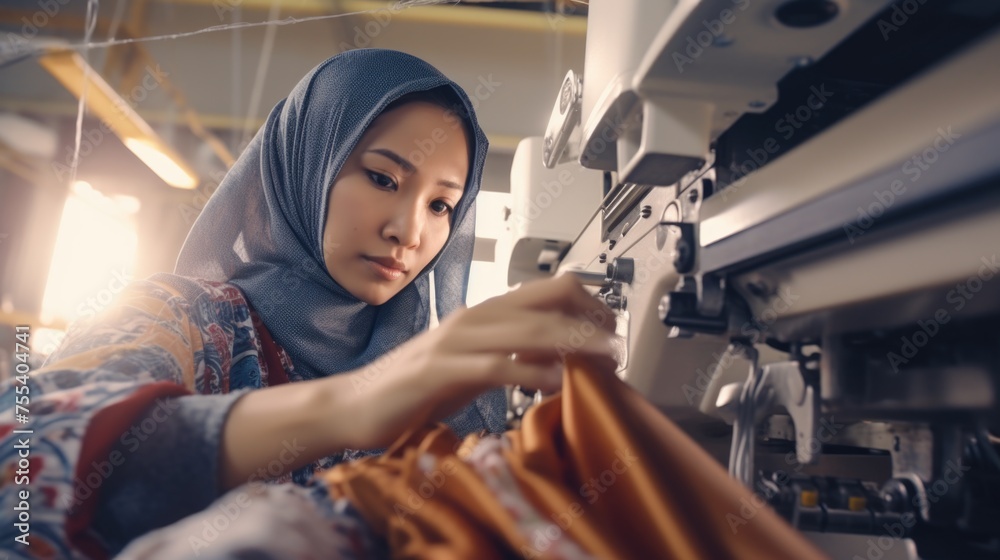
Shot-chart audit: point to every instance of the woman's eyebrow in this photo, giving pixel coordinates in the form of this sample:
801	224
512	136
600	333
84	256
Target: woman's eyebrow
400	160
409	167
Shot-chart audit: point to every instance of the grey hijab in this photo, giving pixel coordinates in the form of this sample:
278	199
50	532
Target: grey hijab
262	230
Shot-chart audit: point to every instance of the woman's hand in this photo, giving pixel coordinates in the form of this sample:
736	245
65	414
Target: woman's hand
285	427
520	338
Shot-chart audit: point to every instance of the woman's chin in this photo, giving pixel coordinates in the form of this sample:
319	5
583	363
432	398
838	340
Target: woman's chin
375	295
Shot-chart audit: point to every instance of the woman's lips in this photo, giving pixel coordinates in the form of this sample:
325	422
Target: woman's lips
390	269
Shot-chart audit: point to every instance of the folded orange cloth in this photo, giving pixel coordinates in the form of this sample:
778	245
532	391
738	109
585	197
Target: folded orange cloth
595	471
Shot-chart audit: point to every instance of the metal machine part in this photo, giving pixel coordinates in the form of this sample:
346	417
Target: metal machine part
548	209
564	119
809	174
778	385
611	282
710	63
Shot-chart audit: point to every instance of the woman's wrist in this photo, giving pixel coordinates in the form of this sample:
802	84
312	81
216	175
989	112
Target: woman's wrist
387	400
339	412
289	425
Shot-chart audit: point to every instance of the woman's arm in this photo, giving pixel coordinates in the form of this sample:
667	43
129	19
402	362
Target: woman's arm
424	380
293	424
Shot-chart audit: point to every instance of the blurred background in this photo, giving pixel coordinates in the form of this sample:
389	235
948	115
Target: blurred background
162	121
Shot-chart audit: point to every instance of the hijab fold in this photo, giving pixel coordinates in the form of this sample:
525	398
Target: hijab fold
262	230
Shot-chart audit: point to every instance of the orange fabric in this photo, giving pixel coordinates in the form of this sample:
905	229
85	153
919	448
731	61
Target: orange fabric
597	462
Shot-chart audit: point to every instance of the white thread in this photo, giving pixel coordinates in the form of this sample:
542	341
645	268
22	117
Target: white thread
89	25
263	63
402	4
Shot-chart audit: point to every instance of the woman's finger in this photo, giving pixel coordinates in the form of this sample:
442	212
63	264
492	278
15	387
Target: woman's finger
474	373
526	331
562	293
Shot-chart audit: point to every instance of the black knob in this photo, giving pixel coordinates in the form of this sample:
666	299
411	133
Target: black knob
621	270
680	309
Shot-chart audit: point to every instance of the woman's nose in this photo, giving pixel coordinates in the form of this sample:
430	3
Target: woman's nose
404	225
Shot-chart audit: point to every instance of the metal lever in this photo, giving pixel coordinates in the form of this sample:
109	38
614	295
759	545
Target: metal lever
746	404
782	385
587	278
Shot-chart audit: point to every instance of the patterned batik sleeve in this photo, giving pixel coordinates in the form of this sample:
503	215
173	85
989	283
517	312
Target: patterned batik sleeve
97	403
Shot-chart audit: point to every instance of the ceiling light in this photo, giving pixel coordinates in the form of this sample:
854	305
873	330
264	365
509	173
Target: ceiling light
169	169
103	101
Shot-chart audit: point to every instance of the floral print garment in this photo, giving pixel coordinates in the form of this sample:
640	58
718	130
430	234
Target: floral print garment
152	346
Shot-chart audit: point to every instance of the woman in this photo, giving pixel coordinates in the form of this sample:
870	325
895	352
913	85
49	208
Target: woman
314	258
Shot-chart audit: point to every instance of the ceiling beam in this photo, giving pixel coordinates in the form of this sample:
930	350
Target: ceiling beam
503	143
137	53
85	83
447	14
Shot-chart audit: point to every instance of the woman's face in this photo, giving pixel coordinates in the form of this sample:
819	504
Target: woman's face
391	205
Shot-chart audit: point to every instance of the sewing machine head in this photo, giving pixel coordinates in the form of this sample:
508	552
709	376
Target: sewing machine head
790	206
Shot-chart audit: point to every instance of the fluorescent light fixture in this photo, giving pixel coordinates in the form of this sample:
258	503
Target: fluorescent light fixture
169	169
27	136
102	100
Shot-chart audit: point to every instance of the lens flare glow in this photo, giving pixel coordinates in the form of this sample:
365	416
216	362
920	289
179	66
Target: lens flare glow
94	256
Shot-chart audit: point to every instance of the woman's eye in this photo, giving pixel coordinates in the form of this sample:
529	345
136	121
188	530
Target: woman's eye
441	207
382	180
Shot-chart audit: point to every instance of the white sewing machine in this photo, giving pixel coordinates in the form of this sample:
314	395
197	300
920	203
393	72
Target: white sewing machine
792	205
